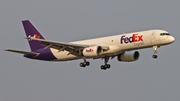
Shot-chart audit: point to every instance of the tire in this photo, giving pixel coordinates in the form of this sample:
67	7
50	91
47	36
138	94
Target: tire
108	66
87	63
81	64
155	56
102	67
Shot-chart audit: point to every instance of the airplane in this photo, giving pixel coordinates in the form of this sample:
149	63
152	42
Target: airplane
122	46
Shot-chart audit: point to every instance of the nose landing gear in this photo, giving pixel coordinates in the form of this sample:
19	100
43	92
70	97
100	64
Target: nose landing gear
155	56
155	51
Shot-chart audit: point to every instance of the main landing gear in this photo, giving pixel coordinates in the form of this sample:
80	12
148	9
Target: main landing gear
103	67
155	51
85	63
106	66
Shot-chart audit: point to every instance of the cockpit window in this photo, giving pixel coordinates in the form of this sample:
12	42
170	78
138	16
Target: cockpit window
164	34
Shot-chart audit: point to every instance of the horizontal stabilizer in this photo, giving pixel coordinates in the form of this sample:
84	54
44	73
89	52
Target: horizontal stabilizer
22	52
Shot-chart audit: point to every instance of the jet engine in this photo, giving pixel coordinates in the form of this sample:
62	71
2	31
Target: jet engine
92	51
129	56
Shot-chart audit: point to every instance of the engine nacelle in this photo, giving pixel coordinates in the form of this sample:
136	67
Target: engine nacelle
92	51
129	56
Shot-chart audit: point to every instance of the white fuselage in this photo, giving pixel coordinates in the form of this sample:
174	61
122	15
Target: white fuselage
120	43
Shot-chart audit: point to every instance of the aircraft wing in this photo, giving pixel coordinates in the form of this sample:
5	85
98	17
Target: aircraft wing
58	44
61	46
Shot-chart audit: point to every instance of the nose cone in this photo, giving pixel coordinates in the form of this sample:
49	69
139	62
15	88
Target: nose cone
171	39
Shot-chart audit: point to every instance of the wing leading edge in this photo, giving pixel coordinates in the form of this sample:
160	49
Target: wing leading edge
61	46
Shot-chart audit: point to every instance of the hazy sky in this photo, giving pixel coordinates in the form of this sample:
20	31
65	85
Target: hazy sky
147	79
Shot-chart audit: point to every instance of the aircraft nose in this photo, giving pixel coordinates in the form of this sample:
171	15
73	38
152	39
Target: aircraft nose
171	39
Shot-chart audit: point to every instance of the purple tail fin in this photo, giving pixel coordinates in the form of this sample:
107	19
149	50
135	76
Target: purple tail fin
31	31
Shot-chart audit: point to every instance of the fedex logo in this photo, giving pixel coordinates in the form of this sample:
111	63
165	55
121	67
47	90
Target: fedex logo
134	38
35	36
90	50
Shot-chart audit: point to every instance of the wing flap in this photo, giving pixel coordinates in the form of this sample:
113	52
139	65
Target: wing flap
22	52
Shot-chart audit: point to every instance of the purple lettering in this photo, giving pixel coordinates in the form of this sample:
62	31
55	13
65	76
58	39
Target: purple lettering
126	39
122	39
131	39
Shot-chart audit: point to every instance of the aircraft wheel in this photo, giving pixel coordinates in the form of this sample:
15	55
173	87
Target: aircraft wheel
82	64
103	67
87	63
154	56
108	66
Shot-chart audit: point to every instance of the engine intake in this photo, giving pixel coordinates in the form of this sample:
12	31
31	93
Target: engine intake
129	56
92	51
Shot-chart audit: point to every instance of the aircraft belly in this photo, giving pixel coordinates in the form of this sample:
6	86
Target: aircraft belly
63	55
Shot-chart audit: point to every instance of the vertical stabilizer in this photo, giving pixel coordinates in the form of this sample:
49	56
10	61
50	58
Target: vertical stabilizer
31	31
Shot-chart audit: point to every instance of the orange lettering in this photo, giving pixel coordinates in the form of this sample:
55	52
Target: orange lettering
36	36
135	36
140	38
